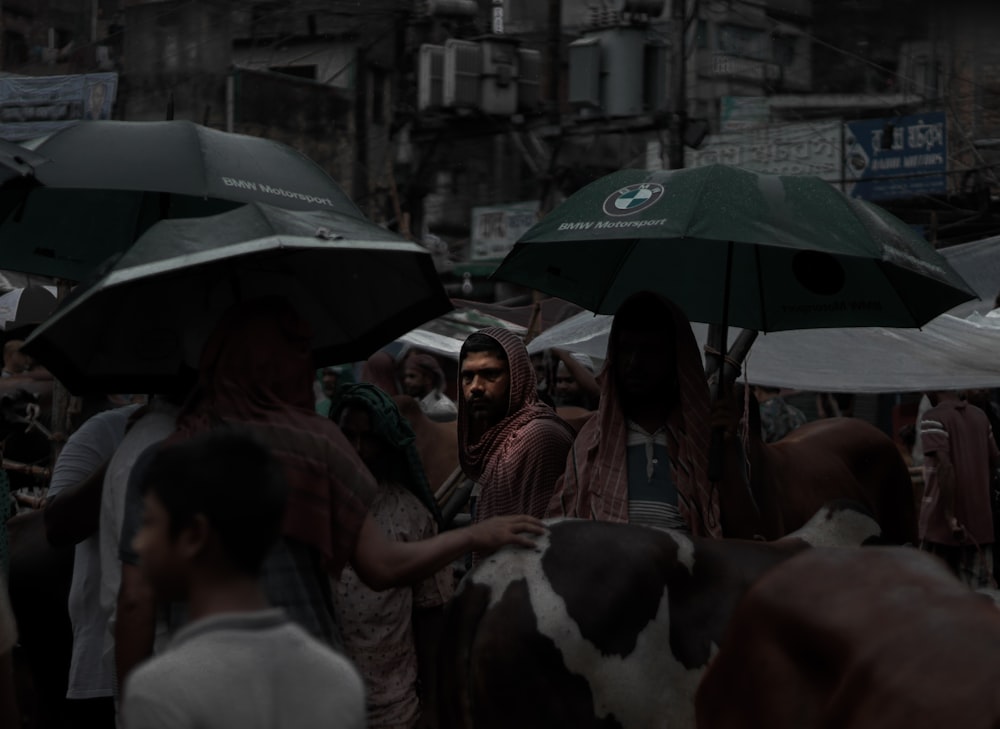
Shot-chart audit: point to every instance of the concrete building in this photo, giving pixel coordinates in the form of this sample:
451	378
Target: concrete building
342	81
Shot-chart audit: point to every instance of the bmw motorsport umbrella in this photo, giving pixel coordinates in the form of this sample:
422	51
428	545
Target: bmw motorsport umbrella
140	323
736	248
758	251
105	182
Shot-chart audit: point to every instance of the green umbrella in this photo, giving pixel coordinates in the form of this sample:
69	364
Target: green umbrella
105	182
736	248
139	324
758	251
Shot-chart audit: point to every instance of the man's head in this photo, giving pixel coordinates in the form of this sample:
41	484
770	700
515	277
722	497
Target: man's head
485	379
421	375
566	384
643	351
213	504
567	388
328	380
14	360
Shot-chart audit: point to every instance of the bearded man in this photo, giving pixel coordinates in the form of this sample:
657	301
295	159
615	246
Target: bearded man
510	443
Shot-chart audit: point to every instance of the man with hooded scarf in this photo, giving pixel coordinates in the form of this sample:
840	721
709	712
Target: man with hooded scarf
511	444
391	635
643	458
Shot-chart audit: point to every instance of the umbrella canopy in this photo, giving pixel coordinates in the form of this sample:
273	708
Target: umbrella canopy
108	181
144	318
446	334
759	251
956	350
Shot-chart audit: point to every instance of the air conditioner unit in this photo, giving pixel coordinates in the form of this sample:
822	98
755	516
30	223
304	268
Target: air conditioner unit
430	77
656	77
622	82
499	76
529	80
462	74
585	73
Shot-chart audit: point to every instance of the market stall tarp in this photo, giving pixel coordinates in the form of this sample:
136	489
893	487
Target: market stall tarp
959	349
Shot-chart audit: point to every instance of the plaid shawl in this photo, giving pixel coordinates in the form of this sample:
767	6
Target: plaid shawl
394	429
256	373
518	460
595	485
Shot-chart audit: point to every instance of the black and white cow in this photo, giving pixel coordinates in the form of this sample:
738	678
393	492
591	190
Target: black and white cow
605	625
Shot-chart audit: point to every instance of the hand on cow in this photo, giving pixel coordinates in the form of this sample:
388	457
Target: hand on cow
499	531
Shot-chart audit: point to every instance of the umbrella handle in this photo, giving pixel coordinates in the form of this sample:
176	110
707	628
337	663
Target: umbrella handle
716	450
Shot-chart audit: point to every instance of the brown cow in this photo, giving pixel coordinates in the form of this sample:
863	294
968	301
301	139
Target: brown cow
825	460
604	625
437	443
576	416
881	638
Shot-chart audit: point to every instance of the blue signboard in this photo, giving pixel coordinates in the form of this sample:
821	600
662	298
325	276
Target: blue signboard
896	157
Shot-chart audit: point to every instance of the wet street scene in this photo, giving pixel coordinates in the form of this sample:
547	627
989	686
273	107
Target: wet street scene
485	364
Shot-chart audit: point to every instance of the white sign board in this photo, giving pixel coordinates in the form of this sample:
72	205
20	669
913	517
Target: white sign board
786	149
495	228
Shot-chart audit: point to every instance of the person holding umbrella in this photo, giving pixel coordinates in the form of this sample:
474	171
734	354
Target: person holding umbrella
256	375
643	458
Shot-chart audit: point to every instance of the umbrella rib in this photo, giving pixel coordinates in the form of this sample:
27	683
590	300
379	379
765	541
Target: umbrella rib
903	300
609	281
760	288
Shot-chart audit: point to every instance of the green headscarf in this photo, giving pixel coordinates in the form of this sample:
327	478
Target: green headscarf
394	429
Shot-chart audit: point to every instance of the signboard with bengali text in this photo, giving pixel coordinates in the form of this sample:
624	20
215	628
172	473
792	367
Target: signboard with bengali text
896	157
780	149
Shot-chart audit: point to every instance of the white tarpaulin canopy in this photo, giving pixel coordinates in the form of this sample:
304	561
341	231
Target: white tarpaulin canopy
446	334
960	349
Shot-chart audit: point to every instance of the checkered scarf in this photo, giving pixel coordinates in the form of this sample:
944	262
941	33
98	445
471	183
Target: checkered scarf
518	460
595	485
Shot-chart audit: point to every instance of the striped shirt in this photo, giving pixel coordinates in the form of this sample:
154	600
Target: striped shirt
652	493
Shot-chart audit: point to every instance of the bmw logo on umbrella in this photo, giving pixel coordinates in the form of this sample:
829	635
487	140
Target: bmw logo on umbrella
632	199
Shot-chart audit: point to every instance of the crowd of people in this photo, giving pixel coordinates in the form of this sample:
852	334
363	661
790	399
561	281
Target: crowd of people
264	541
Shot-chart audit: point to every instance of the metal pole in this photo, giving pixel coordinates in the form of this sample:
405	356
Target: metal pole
554	54
678	18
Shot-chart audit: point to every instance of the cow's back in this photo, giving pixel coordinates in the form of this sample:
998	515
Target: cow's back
880	638
604	625
840	458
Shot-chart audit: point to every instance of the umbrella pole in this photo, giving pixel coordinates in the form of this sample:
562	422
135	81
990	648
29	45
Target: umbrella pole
61	398
717	445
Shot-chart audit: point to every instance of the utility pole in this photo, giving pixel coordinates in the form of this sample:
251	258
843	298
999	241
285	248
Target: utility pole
678	121
553	52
